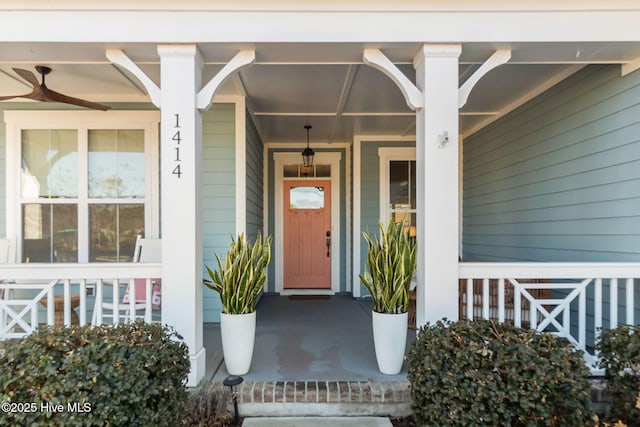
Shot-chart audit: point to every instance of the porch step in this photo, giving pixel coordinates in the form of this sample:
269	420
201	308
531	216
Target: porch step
317	422
323	398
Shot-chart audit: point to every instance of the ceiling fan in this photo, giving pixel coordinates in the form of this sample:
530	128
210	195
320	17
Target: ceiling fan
42	93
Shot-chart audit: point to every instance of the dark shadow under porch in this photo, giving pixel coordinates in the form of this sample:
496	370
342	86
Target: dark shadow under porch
308	340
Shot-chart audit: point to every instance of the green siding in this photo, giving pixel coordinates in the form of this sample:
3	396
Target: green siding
218	193
254	180
558	179
370	194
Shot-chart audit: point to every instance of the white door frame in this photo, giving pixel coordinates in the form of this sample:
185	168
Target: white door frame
281	159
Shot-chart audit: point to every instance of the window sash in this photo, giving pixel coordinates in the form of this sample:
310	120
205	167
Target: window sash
82	123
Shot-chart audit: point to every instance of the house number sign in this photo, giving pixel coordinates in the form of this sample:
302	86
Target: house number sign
176	138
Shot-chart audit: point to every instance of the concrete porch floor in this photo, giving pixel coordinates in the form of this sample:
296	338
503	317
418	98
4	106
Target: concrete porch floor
308	340
313	357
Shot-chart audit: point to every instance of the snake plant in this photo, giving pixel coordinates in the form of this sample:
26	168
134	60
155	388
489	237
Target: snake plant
391	262
240	280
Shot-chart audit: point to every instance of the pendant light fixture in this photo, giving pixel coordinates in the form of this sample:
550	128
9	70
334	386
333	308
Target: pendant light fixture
307	153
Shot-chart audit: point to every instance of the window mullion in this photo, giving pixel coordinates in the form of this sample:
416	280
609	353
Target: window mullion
83	194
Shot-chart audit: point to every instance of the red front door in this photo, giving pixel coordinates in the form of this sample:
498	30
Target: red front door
307	234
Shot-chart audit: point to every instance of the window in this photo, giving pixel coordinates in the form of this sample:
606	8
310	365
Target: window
85	188
402	192
398	186
300	171
306	197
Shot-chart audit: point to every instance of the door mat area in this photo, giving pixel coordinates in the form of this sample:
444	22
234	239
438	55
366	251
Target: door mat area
309	296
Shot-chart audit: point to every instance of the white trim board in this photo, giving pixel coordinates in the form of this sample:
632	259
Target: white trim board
280	159
146	120
358	140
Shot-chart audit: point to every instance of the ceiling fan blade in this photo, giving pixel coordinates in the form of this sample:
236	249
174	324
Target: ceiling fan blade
28	76
53	96
2	98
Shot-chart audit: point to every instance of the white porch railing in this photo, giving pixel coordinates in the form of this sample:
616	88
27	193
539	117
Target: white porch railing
572	300
36	294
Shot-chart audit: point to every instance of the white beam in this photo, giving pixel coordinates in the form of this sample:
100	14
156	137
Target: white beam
242	59
377	59
630	67
407	21
116	56
498	58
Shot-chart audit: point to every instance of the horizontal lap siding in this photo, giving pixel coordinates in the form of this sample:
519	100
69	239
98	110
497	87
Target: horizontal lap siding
370	195
559	178
254	180
218	193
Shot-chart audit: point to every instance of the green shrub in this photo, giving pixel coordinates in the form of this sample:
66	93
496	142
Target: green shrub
484	373
129	374
207	407
620	357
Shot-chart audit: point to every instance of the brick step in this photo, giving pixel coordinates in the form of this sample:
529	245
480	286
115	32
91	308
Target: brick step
323	398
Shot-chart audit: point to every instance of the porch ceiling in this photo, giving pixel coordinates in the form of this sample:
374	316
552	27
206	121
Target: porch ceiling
323	84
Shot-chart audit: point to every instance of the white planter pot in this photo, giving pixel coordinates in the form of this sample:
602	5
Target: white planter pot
238	333
390	340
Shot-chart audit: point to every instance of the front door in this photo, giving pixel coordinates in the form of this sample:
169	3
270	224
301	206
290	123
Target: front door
307	234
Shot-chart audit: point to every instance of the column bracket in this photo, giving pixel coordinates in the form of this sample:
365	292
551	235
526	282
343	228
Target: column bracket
498	58
242	59
378	60
117	56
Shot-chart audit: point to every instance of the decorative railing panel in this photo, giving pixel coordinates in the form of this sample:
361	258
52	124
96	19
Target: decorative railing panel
36	294
571	300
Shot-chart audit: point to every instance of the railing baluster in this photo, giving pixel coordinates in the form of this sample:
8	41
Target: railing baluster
133	300
50	308
566	320
629	301
533	314
485	298
597	296
613	303
98	303
582	316
66	305
517	306
470	299
83	302
147	306
597	311
501	300
116	301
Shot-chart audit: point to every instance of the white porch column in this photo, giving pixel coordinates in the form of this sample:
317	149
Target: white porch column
180	171
437	182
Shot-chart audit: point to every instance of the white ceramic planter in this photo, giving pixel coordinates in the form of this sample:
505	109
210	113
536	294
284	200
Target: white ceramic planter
238	332
390	340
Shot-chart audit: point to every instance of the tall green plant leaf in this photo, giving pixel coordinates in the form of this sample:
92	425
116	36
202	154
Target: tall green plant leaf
391	262
240	279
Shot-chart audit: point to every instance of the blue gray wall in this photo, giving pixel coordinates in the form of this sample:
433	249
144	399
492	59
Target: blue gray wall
558	179
218	193
255	178
370	194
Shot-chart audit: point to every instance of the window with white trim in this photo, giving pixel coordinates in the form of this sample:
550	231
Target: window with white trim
84	188
398	186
